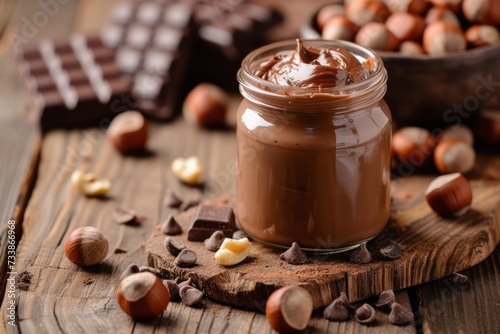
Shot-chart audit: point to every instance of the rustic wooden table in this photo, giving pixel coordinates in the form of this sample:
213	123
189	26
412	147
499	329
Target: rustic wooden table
37	198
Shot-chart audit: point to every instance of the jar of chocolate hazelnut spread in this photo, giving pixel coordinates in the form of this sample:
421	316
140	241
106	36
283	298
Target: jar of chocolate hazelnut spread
314	137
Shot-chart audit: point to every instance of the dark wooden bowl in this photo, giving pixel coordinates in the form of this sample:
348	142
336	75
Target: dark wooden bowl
436	91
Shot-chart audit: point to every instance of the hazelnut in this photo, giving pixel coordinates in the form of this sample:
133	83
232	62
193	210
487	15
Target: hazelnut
86	246
89	184
187	170
442	37
482	11
441	14
454	156
327	12
411	48
206	105
289	309
449	195
413	145
339	27
376	36
454	5
362	12
482	35
128	132
405	26
460	132
488	127
232	251
408	6
142	296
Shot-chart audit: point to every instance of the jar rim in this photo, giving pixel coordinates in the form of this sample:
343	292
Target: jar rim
248	79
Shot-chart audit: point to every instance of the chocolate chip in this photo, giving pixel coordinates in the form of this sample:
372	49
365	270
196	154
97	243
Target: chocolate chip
294	255
392	250
172	287
174	247
123	215
336	311
171	226
190	295
213	243
458	279
189	204
399	315
365	314
186	258
347	305
361	254
172	200
385	300
131	269
186	282
239	235
148	269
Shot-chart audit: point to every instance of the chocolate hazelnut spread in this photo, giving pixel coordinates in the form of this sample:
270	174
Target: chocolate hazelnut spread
313	146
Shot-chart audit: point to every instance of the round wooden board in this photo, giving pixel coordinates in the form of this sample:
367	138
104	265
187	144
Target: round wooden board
435	248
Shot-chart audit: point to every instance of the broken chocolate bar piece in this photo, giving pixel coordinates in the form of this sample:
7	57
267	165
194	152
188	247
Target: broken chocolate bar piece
209	219
73	82
153	42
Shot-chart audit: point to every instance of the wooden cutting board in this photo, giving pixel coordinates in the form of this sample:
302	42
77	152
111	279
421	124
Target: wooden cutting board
435	248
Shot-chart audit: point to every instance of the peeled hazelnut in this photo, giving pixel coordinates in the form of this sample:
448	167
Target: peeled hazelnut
289	309
362	12
128	132
441	14
206	105
86	246
187	170
482	11
413	145
408	6
327	12
232	251
443	37
460	132
375	36
405	26
142	296
89	184
454	156
339	27
411	48
449	195
482	35
488	127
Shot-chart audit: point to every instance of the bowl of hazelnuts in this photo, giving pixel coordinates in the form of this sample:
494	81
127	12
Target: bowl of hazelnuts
442	56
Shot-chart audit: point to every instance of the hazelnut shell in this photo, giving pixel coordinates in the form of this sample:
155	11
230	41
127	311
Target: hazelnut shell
289	309
449	195
86	246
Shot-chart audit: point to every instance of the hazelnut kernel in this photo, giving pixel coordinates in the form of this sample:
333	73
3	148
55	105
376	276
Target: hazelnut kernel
187	170
86	246
289	309
449	195
232	251
460	132
89	184
206	105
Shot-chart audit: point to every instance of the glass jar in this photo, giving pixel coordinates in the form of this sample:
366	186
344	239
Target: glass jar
313	168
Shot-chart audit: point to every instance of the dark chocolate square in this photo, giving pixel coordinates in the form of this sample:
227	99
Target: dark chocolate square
210	218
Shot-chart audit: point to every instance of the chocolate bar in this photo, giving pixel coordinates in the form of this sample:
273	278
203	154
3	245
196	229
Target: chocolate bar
73	82
210	218
152	41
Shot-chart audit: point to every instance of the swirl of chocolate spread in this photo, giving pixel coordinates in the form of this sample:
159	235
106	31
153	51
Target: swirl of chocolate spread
310	67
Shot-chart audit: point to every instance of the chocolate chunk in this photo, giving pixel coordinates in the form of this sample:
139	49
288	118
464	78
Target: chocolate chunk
294	255
131	269
213	243
385	300
171	226
174	247
361	255
186	258
189	204
172	287
365	314
172	200
399	315
186	282
239	235
124	216
392	250
347	305
458	279
73	82
336	311
209	219
190	295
